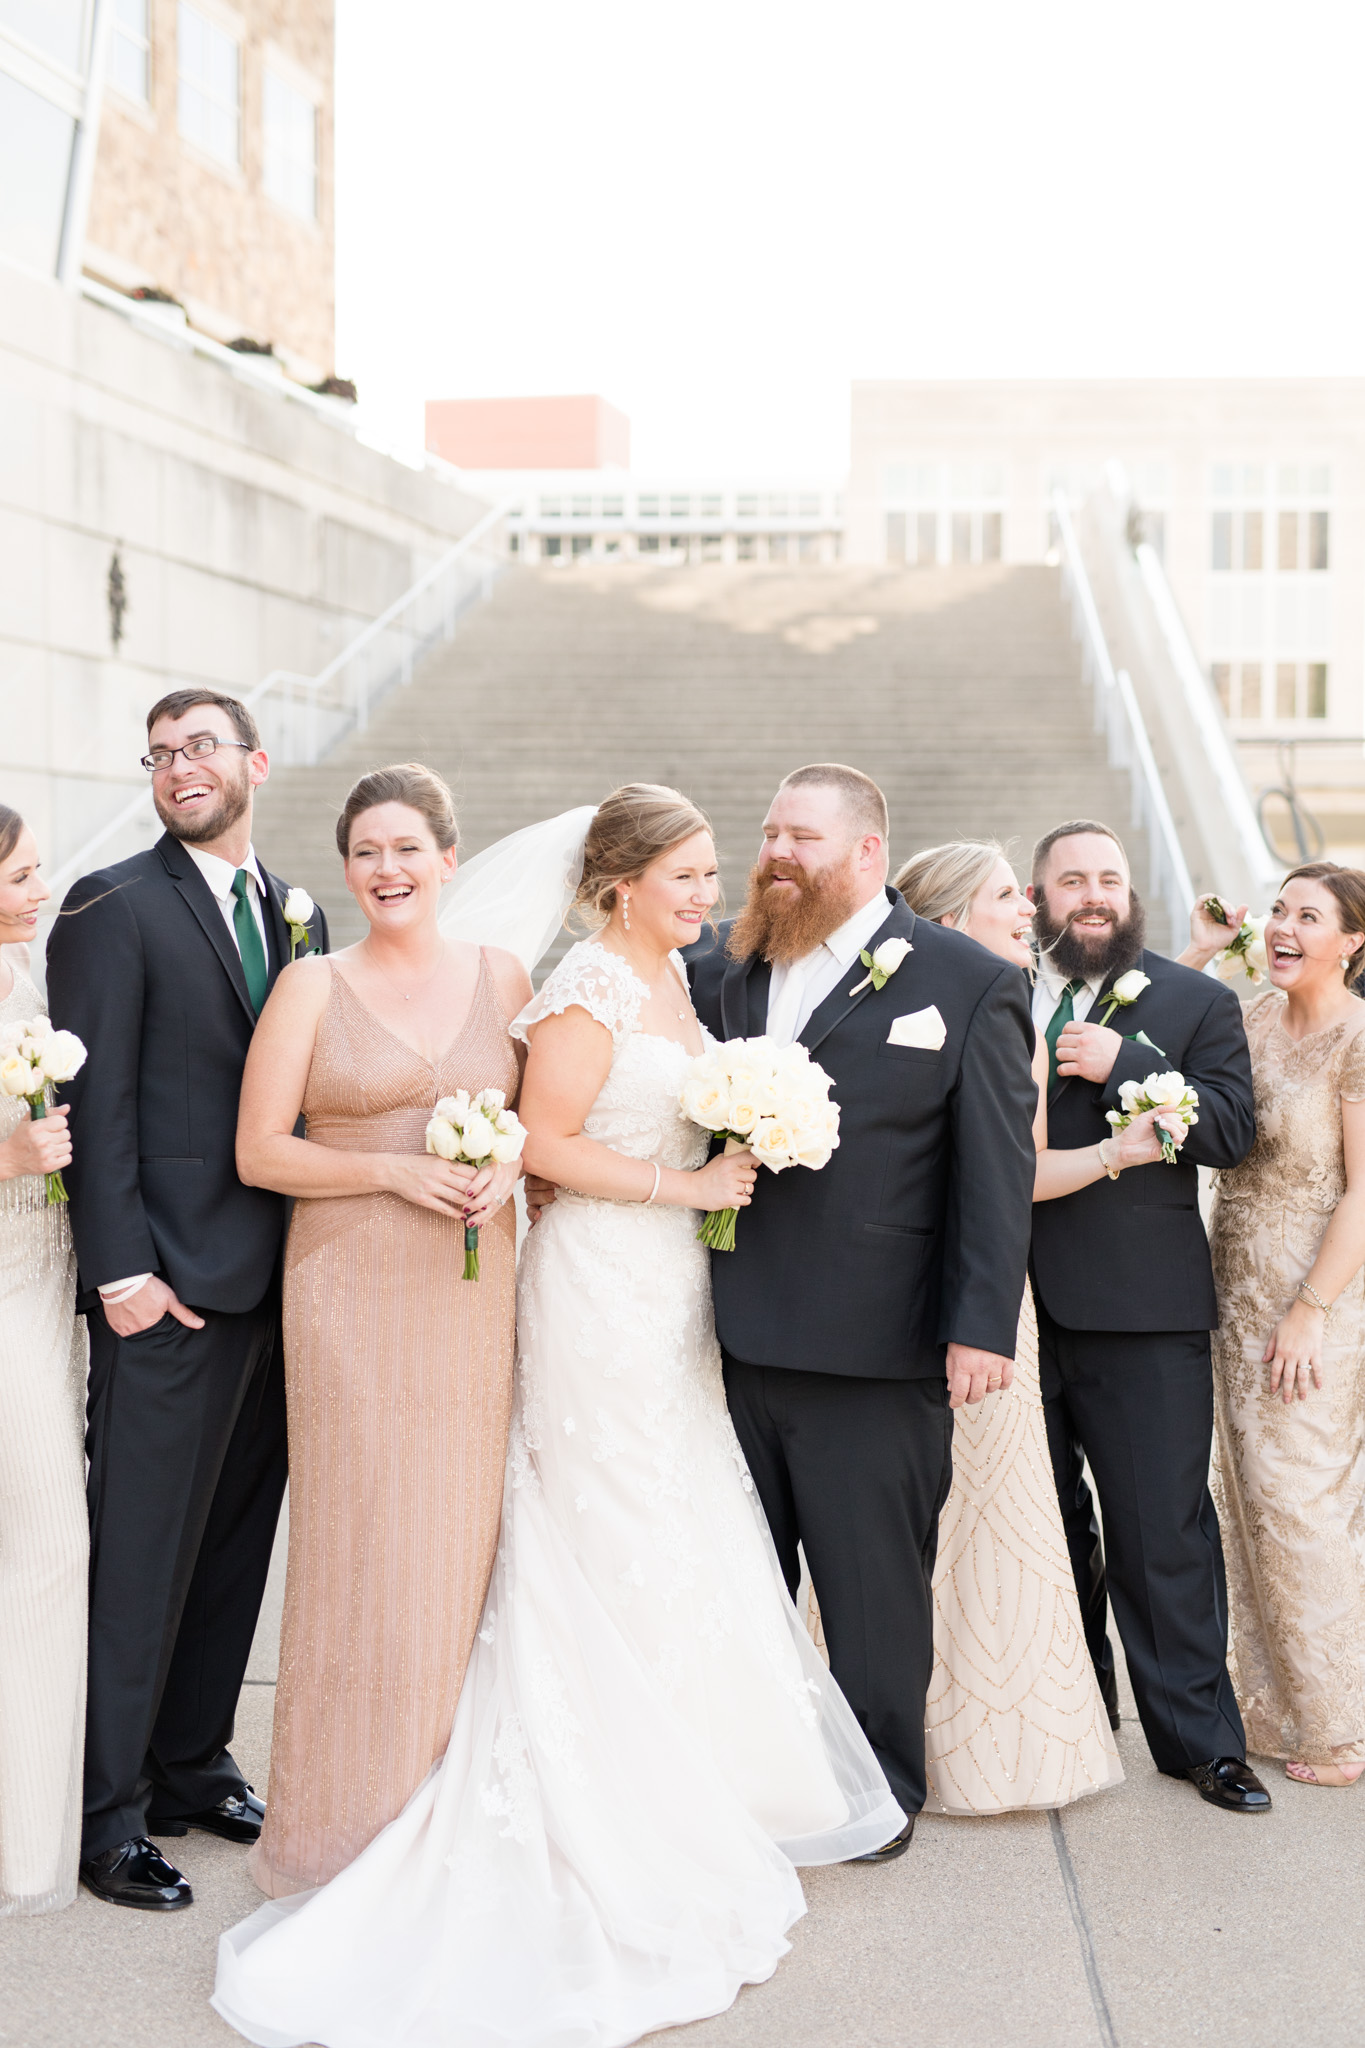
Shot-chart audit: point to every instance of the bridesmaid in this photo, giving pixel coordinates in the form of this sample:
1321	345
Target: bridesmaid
1288	1241
1014	1716
44	1534
398	1371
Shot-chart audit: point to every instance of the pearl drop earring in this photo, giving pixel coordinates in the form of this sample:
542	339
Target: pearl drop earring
625	911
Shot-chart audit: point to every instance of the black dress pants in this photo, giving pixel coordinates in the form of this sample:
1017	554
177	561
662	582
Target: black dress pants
186	1440
857	1471
1139	1407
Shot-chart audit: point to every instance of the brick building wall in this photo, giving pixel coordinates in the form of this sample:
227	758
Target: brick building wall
168	212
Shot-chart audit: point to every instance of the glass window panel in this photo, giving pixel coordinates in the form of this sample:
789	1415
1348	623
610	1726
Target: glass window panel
1252	525
777	547
56	27
1286	690
291	146
1220	675
1317	540
551	544
613	508
962	536
35	159
210	90
747	547
809	547
648	544
680	508
991	534
581	508
1220	480
747	507
1318	480
1288	476
808	505
924	482
777	506
896	480
549	508
1287	552
963	480
1220	555
648	507
992	480
711	507
926	536
1253	480
581	543
895	536
130	50
1316	707
1252	685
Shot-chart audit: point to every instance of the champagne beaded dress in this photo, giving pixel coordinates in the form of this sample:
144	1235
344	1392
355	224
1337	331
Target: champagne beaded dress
399	1381
44	1533
646	1741
1289	1478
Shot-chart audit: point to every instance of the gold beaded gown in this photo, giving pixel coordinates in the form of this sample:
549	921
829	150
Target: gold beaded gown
399	1380
1289	1478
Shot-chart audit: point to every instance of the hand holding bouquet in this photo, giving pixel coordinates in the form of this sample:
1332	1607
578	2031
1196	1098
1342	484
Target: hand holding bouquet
32	1057
471	1131
771	1100
1245	952
1168	1091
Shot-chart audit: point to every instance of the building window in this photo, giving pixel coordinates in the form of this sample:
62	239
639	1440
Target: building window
808	507
746	547
747	507
777	547
291	146
926	538
1237	540
647	544
581	543
962	536
210	97
1239	685
895	537
711	508
551	544
130	50
777	505
581	508
549	508
712	547
992	536
648	508
680	508
613	508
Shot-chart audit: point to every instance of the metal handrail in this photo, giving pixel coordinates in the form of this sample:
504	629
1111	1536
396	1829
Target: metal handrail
1119	716
304	717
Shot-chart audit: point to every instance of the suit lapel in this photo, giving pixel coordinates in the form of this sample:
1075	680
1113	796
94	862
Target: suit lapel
839	1003
744	988
199	898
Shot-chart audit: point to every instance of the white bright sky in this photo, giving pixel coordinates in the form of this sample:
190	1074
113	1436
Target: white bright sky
717	213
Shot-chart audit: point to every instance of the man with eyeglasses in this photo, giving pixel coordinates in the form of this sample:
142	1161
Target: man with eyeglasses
162	964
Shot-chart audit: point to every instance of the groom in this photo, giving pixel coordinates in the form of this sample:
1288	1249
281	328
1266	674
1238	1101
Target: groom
865	1301
1125	1297
162	964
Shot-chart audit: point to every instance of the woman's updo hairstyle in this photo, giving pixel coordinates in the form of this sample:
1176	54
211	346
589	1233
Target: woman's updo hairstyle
11	825
1347	887
633	827
942	881
421	789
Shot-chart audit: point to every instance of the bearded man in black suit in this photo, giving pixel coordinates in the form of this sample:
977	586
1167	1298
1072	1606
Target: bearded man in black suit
863	1302
162	964
1125	1298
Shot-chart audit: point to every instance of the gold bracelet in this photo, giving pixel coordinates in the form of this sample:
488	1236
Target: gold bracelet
1112	1171
1315	1297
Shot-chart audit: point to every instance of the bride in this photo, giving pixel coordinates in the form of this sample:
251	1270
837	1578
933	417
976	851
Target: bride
647	1741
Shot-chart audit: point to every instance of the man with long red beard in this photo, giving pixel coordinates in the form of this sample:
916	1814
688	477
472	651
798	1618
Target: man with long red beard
1124	1290
864	1302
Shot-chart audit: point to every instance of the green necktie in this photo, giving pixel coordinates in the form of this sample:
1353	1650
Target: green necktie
1061	1016
249	944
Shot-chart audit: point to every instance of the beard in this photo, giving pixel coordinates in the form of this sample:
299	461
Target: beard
233	802
1075	954
781	925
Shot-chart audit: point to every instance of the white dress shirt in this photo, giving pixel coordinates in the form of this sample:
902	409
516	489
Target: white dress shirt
1047	993
218	874
798	988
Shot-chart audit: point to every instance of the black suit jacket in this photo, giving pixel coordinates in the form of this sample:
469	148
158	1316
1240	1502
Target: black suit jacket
142	967
916	1233
1131	1254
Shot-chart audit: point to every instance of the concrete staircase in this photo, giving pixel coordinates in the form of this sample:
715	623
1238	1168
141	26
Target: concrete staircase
958	689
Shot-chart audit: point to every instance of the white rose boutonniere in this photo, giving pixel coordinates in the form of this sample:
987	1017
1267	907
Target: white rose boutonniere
299	912
1124	991
882	963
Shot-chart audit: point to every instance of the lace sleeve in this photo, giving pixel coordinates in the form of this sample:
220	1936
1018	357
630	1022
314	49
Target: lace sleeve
594	980
1351	1085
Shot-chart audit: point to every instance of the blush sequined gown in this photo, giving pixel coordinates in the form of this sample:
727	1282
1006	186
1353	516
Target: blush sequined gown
399	1379
646	1741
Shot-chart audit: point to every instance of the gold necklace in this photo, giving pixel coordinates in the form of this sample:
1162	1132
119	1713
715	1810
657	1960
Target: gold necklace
421	985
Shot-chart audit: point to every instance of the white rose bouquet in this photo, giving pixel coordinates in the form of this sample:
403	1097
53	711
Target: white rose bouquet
771	1100
471	1130
1245	952
1169	1091
32	1058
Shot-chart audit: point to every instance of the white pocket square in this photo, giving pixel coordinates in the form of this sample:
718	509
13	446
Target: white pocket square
920	1027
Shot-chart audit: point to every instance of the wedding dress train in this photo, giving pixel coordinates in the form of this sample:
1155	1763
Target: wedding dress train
647	1741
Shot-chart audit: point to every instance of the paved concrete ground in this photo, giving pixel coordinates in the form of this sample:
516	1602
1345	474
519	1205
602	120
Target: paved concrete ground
1138	1919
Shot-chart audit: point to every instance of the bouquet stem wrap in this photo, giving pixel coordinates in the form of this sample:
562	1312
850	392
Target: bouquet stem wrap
471	1251
718	1225
55	1185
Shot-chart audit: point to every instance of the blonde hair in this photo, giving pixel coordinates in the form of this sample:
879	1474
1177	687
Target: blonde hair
634	827
407	782
942	881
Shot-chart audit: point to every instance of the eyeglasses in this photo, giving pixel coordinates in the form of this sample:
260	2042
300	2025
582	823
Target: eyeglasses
193	750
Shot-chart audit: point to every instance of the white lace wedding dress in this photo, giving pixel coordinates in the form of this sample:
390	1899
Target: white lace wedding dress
647	1740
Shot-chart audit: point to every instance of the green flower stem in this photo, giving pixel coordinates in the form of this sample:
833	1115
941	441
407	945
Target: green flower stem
53	1182
1110	1011
718	1229
471	1251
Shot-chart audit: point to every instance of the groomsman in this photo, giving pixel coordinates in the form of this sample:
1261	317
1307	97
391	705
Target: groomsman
863	1302
1125	1297
162	964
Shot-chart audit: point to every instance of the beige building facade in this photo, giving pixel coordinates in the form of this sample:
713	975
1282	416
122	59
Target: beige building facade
1251	490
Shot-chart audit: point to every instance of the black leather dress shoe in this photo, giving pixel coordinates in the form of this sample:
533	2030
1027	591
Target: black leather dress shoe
236	1820
1115	1720
1229	1781
136	1874
889	1851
